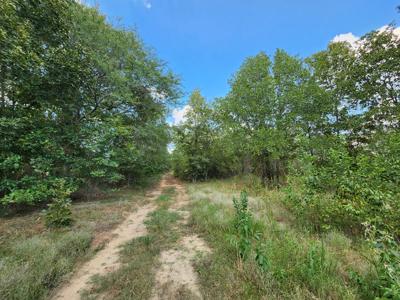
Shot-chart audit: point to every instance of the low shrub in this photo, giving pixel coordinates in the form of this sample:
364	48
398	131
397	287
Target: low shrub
59	211
387	262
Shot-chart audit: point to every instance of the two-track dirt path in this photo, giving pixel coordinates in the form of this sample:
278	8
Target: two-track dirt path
107	259
176	271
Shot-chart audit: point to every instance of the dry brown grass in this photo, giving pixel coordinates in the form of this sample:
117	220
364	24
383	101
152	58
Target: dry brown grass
34	260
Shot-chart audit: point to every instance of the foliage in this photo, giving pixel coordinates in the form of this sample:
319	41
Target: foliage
346	190
243	224
59	213
200	152
80	101
83	103
352	192
388	262
284	263
326	127
260	112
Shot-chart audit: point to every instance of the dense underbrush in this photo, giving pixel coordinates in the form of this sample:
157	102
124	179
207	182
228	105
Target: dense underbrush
267	252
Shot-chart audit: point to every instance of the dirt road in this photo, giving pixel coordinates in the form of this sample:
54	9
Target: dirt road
176	271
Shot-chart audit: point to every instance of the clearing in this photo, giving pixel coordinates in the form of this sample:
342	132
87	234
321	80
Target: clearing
178	241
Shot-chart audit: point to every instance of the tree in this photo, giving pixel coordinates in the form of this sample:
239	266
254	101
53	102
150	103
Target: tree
200	151
80	101
261	109
374	78
193	140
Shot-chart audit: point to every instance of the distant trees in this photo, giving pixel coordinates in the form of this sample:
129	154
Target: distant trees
199	150
81	102
263	108
327	125
279	108
331	120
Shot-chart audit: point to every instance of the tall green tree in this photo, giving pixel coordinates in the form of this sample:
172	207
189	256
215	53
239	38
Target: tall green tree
81	102
375	77
262	109
193	140
200	149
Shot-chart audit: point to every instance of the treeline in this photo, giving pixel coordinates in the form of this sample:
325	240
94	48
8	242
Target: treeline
82	102
326	128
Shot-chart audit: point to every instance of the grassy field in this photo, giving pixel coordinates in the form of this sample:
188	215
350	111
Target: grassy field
298	264
34	260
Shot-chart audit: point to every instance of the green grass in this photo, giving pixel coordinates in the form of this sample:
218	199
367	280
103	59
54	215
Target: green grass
30	268
300	264
35	260
139	257
166	196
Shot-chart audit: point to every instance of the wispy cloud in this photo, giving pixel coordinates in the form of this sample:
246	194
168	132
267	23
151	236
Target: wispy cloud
179	115
170	147
146	3
354	41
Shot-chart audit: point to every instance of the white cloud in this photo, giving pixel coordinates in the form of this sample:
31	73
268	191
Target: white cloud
179	114
396	31
354	40
145	3
347	37
171	147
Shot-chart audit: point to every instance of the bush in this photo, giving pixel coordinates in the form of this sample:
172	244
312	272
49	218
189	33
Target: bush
387	263
346	189
353	190
59	211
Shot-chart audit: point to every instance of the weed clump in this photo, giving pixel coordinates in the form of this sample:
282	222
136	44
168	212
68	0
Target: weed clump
243	224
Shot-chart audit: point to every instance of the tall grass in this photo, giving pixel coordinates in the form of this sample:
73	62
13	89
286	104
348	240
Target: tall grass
297	264
35	260
30	268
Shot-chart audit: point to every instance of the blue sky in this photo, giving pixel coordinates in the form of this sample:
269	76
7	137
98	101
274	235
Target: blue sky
205	41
